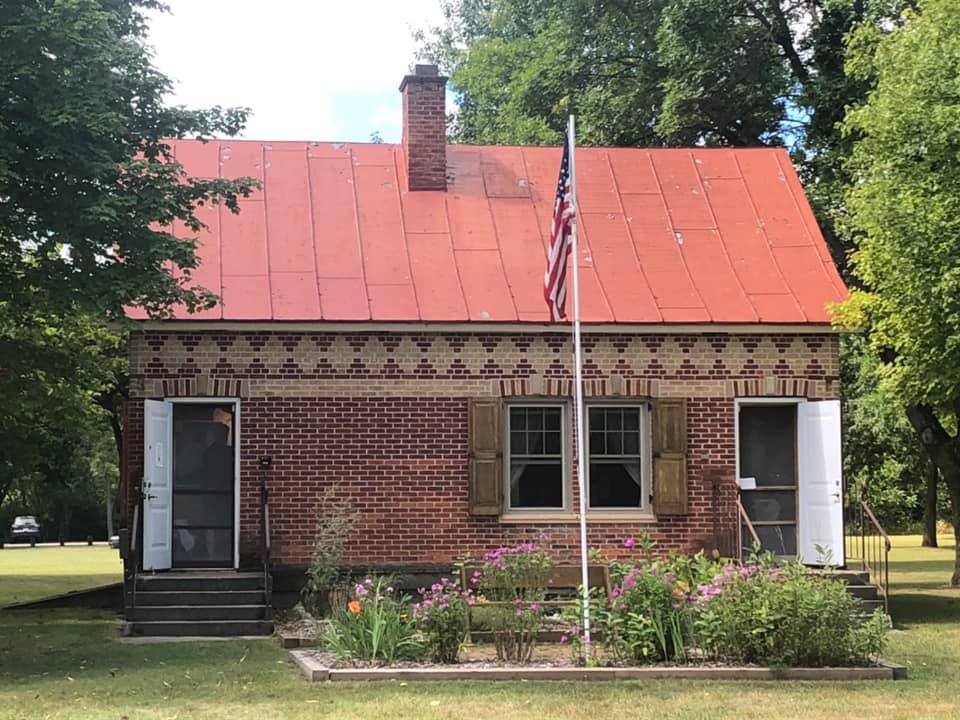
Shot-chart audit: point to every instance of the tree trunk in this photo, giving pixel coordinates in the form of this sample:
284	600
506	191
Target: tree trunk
108	499
954	489
930	507
945	452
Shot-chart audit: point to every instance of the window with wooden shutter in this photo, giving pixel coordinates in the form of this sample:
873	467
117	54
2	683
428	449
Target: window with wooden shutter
486	457
670	457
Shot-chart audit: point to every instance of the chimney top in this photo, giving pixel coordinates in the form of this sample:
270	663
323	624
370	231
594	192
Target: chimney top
422	73
425	128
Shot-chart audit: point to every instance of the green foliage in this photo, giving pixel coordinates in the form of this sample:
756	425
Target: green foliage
335	520
442	614
516	578
650	613
785	616
375	626
905	203
883	462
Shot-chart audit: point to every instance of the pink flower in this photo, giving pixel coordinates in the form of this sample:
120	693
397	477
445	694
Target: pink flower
630	543
564	638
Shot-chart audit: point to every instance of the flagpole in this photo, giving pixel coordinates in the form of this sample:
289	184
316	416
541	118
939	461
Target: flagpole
578	397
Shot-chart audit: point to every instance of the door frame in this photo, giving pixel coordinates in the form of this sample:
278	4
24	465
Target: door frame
235	401
748	401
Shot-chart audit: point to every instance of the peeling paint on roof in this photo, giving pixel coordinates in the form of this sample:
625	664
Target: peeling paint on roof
698	236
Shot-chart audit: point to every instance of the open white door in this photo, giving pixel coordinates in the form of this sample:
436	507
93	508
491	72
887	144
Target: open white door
820	465
157	484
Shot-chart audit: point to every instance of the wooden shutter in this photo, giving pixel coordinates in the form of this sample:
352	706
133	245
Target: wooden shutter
486	456
670	456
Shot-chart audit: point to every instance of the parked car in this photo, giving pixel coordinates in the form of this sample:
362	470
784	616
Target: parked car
25	528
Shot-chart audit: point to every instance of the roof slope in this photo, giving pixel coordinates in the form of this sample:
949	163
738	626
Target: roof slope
666	236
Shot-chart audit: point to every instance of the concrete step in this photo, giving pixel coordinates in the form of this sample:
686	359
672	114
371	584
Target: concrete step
198	612
218	581
201	597
864	592
198	628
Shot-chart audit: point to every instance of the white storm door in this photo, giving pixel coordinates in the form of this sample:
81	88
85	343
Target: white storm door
157	484
820	465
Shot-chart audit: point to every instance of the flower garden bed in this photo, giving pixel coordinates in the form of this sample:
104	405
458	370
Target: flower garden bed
655	616
322	667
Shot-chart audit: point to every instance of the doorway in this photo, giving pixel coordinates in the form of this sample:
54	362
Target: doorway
204	469
790	470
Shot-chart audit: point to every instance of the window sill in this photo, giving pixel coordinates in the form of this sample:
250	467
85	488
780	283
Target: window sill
595	516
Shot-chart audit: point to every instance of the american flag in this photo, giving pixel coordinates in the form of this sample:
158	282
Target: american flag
561	241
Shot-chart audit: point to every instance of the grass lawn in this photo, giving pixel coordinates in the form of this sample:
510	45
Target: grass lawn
31	573
67	664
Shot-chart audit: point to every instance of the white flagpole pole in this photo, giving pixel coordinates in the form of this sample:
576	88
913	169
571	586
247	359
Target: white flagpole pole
578	399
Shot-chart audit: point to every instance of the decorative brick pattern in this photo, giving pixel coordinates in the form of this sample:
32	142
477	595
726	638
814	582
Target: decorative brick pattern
383	417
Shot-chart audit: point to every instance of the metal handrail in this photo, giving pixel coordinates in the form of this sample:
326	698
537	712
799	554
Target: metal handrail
267	542
132	557
874	548
744	520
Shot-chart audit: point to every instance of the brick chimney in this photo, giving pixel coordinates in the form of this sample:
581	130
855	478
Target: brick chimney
425	128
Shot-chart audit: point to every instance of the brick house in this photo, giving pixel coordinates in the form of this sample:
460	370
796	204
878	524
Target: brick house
382	331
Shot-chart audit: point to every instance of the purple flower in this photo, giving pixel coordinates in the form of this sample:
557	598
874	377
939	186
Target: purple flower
564	638
630	543
360	590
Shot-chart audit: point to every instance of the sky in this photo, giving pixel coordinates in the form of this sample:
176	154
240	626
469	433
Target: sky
309	69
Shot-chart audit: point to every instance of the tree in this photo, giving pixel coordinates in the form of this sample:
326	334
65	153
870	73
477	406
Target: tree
904	211
89	193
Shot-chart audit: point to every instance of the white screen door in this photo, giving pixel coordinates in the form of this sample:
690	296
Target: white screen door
157	484
820	466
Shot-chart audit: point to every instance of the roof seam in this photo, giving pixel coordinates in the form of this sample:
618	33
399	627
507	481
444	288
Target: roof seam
767	245
666	209
723	244
313	227
266	230
633	245
813	235
406	244
356	222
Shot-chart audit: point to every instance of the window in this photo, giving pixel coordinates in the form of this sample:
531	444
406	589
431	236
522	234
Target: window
617	435
535	465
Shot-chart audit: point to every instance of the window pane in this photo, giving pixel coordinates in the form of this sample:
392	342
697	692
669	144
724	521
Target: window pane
631	443
534	443
193	546
202	509
631	418
768	440
518	442
614	443
598	445
770	505
518	418
553	443
552	418
613	419
536	485
596	419
534	418
615	485
779	539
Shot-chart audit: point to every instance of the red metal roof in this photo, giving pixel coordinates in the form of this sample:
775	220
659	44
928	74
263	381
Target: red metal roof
666	236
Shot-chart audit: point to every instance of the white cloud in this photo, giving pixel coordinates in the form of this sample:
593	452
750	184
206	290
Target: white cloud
286	58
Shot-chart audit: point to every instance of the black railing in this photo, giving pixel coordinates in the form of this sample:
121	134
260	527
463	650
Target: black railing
267	542
743	523
868	545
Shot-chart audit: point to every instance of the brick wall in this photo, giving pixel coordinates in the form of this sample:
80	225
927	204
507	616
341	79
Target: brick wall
425	129
383	417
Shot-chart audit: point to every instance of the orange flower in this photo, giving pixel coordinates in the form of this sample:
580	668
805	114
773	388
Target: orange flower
354	607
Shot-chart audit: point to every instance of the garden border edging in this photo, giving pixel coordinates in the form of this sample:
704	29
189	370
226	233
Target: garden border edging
315	671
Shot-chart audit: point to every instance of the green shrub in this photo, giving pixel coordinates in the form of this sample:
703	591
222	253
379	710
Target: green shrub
785	616
442	615
335	521
650	614
374	626
517	578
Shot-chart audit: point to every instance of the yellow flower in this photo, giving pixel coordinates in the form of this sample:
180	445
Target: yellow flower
354	607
